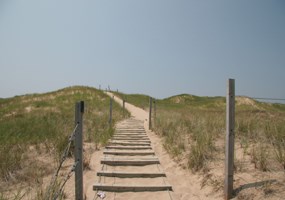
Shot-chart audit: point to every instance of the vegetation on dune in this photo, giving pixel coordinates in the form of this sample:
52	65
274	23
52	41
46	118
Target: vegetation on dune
193	127
138	100
42	123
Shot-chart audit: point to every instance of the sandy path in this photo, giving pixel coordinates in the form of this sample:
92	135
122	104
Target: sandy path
185	184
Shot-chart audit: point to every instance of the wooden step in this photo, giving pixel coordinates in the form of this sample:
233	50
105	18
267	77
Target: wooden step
129	147
129	143
132	139
130	162
143	141
129	153
130	131
129	138
134	188
130	135
130	174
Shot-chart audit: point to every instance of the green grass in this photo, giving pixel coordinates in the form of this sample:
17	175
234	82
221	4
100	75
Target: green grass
44	122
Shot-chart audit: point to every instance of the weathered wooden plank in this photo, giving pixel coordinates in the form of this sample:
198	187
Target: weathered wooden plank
130	135
130	162
134	188
132	139
121	174
129	143
129	147
129	153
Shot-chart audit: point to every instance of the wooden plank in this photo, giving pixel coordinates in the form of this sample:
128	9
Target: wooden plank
111	111
129	162
130	158
127	140
129	147
129	153
132	139
131	174
134	188
131	129
129	143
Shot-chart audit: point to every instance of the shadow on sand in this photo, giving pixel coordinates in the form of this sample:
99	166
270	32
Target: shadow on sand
253	185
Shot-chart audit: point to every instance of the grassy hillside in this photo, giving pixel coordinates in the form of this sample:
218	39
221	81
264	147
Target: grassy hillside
193	132
193	127
36	124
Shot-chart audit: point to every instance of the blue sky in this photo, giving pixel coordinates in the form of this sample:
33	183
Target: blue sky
155	47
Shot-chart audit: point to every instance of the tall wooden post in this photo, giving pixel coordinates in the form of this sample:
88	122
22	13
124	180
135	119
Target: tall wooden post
154	112
230	134
124	107
111	111
150	108
78	150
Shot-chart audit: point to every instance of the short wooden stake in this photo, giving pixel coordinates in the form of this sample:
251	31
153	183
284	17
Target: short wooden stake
78	150
149	118
230	118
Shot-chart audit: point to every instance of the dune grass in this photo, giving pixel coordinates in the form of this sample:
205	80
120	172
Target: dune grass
41	123
192	126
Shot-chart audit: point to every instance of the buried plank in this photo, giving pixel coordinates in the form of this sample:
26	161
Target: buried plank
129	138
131	174
130	135
133	188
130	131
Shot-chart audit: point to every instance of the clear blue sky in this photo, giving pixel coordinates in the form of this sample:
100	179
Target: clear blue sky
155	47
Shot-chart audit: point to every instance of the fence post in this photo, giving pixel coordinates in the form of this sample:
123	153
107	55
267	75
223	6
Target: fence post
78	150
111	111
150	108
230	118
154	112
124	101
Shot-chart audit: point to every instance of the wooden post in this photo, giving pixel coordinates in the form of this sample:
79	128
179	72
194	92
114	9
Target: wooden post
154	112
124	107
78	150
229	161
149	118
111	111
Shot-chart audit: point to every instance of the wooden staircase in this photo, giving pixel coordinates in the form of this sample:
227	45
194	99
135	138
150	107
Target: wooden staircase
129	164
